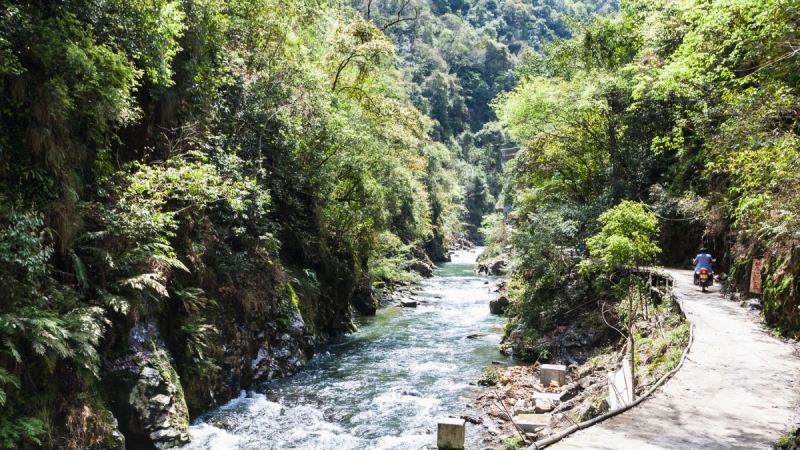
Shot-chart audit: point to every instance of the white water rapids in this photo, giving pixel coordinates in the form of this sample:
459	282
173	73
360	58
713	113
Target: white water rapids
383	387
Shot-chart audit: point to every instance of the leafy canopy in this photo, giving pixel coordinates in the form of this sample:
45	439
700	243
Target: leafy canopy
627	236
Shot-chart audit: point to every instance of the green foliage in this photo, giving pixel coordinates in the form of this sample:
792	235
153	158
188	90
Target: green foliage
391	260
488	377
173	158
21	431
513	443
627	236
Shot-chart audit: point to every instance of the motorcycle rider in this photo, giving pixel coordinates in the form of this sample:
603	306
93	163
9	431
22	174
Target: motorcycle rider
702	261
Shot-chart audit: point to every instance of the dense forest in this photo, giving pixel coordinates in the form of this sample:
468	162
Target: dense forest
680	111
194	193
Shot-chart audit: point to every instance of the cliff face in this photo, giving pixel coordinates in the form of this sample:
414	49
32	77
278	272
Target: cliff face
149	397
155	390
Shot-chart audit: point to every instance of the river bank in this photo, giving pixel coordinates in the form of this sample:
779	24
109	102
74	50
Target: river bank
383	387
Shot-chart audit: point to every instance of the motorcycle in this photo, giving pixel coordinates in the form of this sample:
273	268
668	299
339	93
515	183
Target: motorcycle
704	278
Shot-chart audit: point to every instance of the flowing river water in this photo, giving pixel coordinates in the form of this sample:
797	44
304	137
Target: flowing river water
383	387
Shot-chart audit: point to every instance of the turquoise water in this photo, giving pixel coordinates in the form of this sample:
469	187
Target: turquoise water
380	388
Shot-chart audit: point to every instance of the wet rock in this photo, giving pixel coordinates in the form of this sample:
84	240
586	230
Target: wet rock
365	299
408	304
470	419
411	392
500	286
285	353
499	414
499	305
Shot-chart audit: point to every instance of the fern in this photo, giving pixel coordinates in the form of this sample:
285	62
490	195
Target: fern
6	378
12	433
147	281
80	270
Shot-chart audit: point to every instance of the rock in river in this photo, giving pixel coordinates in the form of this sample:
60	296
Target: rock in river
499	305
422	268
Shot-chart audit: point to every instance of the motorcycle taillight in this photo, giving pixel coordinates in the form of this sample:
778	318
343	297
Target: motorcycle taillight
703	271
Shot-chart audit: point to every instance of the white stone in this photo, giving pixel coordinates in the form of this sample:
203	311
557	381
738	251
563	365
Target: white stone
451	434
553	372
543	405
161	400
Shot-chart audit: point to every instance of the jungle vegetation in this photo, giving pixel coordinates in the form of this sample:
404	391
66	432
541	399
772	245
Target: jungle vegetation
688	109
185	161
213	164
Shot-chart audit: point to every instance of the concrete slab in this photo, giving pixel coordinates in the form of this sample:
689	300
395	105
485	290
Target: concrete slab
451	434
553	372
620	386
531	423
542	419
547	396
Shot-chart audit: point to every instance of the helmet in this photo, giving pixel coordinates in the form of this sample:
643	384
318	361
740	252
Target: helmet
703	249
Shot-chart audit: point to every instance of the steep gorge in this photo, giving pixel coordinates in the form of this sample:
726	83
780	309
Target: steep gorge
193	194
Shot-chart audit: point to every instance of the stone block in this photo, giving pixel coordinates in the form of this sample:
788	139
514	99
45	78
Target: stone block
543	406
530	423
553	372
547	395
451	434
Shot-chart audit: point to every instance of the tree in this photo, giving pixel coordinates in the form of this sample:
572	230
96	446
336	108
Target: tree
627	240
627	237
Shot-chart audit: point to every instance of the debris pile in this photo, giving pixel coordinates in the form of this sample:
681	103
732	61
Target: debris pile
521	405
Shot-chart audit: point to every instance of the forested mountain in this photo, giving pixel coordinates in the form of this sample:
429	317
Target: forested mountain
456	57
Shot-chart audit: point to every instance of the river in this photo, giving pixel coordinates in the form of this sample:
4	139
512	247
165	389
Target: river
380	388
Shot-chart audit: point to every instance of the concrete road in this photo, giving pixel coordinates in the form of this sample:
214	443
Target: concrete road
737	390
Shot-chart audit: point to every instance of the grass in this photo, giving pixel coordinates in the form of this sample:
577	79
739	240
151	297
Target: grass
513	443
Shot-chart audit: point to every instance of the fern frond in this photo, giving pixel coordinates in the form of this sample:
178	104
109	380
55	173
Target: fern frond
80	270
147	281
172	262
12	349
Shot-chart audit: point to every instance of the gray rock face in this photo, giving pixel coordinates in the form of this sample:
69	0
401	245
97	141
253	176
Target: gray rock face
493	267
365	299
285	354
155	406
158	399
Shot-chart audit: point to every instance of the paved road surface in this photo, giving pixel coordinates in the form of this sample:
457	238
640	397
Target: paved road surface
737	390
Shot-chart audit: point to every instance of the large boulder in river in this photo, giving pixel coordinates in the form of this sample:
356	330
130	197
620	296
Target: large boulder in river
499	305
494	267
365	298
422	268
